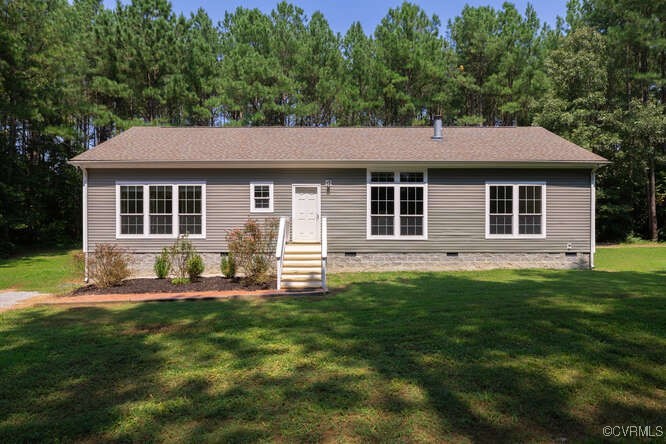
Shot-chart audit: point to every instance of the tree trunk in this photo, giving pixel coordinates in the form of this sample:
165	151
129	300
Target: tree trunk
652	202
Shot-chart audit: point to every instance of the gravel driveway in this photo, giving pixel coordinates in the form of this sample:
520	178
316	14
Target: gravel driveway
10	298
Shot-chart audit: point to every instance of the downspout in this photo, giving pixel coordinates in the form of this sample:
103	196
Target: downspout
593	215
85	224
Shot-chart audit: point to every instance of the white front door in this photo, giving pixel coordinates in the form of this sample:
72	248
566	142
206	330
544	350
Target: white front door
305	213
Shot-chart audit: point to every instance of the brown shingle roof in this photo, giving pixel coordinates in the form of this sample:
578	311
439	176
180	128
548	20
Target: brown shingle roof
270	144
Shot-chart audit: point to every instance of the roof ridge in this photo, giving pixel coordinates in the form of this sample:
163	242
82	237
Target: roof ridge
328	127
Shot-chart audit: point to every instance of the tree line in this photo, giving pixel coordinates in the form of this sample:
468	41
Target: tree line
74	74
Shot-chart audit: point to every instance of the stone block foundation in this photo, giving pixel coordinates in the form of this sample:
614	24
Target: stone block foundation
339	262
142	263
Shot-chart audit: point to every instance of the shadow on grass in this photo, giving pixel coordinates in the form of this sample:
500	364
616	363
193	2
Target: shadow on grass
502	356
23	261
36	255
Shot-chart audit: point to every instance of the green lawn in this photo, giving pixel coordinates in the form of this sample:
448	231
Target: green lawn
488	356
48	272
642	258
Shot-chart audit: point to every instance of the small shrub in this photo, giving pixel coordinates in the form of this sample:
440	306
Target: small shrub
228	267
179	254
253	247
260	267
195	266
108	265
162	265
180	281
632	238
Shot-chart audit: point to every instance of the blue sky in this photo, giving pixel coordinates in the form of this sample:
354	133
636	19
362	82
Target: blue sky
341	13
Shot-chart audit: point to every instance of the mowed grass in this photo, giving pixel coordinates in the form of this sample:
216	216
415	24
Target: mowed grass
47	272
514	356
643	258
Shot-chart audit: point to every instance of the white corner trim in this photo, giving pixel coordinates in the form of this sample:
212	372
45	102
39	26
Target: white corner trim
174	208
85	209
593	216
254	209
396	184
515	210
84	206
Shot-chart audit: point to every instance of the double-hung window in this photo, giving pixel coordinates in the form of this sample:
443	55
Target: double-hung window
516	210
190	220
501	209
131	209
261	197
397	205
160	210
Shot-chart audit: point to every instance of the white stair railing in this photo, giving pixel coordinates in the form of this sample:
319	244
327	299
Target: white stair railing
324	251
279	248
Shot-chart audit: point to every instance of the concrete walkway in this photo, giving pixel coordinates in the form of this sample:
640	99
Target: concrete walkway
9	299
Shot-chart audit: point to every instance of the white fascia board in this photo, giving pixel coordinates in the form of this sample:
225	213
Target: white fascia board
330	164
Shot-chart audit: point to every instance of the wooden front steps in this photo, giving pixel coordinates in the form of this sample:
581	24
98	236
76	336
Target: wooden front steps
301	268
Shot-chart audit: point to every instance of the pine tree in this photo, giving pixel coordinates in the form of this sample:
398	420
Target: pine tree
501	58
635	33
412	60
360	102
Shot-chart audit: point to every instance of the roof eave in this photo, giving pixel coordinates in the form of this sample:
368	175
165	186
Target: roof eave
149	164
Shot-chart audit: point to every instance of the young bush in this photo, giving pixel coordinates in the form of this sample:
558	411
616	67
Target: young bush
632	238
195	266
162	265
260	268
252	248
179	254
228	267
108	265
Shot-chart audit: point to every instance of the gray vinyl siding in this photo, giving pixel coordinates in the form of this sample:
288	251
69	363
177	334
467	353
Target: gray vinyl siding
456	208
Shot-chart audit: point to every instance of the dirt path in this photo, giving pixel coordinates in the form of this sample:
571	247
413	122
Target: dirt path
154	297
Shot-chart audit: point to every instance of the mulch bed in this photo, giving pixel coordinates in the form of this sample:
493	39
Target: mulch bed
152	285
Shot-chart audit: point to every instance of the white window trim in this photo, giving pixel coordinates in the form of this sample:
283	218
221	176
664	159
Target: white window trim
396	202
254	209
174	207
515	210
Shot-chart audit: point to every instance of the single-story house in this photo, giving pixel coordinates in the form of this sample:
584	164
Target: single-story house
349	199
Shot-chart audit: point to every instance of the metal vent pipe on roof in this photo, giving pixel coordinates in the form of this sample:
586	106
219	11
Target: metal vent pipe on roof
437	126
